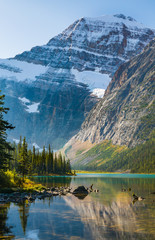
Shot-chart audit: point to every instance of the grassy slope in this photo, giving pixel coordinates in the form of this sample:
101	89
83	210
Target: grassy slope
140	159
108	157
134	88
97	156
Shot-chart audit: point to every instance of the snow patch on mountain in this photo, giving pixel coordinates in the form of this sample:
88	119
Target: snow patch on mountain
99	92
93	29
30	107
66	75
94	80
20	71
35	145
24	100
33	108
16	140
116	19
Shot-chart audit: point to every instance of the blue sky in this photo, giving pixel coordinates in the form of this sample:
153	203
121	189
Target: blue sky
27	23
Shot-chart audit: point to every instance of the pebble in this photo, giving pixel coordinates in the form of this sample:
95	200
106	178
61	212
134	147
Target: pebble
18	197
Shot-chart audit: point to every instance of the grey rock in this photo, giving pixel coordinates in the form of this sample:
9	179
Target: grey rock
80	190
64	102
129	99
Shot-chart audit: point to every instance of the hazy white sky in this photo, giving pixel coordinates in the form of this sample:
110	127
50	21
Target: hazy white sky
27	23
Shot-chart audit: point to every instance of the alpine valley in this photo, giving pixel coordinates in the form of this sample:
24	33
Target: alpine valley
51	89
119	132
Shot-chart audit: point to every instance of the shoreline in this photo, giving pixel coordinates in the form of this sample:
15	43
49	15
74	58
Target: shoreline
100	172
20	197
30	186
52	175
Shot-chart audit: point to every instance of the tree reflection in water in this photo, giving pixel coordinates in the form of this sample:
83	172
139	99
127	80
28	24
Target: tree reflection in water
4	229
57	181
109	214
24	214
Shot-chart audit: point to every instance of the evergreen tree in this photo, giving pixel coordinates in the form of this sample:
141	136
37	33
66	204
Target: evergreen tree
30	166
50	159
55	169
23	166
64	165
14	156
20	144
34	159
43	159
4	145
34	162
47	163
68	166
37	156
59	163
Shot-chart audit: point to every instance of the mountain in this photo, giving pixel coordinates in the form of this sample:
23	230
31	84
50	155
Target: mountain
51	88
123	118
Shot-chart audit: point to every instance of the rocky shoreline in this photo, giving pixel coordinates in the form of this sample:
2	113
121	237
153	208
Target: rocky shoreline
19	197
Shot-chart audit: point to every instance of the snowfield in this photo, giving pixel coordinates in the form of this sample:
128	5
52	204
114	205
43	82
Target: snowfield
20	71
99	92
29	107
97	82
15	70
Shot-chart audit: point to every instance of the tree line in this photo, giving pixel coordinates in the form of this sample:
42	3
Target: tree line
18	158
29	162
139	159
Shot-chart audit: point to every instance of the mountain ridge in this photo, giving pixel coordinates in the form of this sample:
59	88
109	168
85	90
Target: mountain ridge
62	80
122	123
133	82
85	32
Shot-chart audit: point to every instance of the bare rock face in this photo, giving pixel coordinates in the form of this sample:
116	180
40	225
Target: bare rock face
51	89
125	115
93	44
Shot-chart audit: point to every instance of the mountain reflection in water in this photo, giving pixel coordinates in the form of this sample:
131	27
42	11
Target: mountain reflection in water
109	214
115	221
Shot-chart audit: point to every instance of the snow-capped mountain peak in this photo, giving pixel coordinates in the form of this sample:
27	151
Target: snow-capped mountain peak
117	18
63	79
86	27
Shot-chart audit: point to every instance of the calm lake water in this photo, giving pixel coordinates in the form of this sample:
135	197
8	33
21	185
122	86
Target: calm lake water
109	214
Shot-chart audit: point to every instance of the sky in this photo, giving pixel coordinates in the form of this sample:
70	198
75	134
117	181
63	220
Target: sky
27	23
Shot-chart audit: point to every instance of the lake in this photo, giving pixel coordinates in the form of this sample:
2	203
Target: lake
109	214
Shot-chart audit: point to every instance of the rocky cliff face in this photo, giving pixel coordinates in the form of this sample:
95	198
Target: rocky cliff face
125	115
51	88
93	44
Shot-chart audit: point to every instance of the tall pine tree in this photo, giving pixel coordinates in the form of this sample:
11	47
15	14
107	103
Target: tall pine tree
23	159
4	145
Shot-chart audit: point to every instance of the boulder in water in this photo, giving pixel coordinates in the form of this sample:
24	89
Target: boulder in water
80	190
